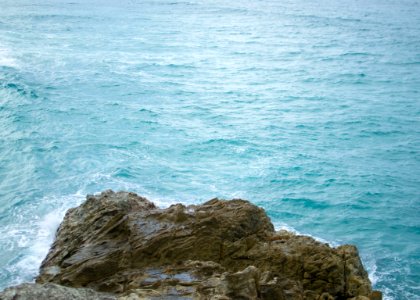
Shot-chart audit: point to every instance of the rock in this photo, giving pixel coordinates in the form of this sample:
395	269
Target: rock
31	291
375	295
123	245
240	285
360	298
355	274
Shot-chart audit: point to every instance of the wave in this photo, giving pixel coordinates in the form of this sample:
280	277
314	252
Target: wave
28	239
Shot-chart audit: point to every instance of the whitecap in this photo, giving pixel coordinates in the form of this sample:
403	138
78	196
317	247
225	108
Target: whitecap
6	58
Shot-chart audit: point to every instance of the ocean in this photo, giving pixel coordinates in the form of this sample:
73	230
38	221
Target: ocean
309	109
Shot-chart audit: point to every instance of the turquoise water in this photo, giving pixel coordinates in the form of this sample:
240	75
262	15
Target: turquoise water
310	110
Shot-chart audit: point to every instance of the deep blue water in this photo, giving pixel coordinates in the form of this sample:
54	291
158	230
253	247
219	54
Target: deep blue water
309	109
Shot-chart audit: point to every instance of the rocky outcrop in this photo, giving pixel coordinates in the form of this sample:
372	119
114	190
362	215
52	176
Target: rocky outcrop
121	245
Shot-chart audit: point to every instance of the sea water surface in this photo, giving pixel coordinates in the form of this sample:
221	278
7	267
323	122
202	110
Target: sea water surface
310	109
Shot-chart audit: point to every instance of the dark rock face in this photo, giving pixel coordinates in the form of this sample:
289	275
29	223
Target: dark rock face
123	245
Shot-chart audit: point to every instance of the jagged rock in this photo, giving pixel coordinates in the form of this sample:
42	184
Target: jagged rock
122	244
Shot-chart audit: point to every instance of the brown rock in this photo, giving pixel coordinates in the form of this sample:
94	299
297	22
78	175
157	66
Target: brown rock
123	244
51	291
240	285
375	295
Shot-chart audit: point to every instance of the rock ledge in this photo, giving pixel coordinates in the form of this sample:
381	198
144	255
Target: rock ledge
121	246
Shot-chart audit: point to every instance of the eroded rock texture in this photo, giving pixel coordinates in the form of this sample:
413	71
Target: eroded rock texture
123	245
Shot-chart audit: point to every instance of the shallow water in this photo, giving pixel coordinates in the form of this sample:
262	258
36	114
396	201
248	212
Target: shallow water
309	110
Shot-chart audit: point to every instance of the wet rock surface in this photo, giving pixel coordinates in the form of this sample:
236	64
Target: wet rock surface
121	246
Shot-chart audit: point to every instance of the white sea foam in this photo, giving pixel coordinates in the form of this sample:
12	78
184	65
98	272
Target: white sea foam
283	226
44	233
34	237
6	58
371	268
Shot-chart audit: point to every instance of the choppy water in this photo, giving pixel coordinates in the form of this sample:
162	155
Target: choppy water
310	110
